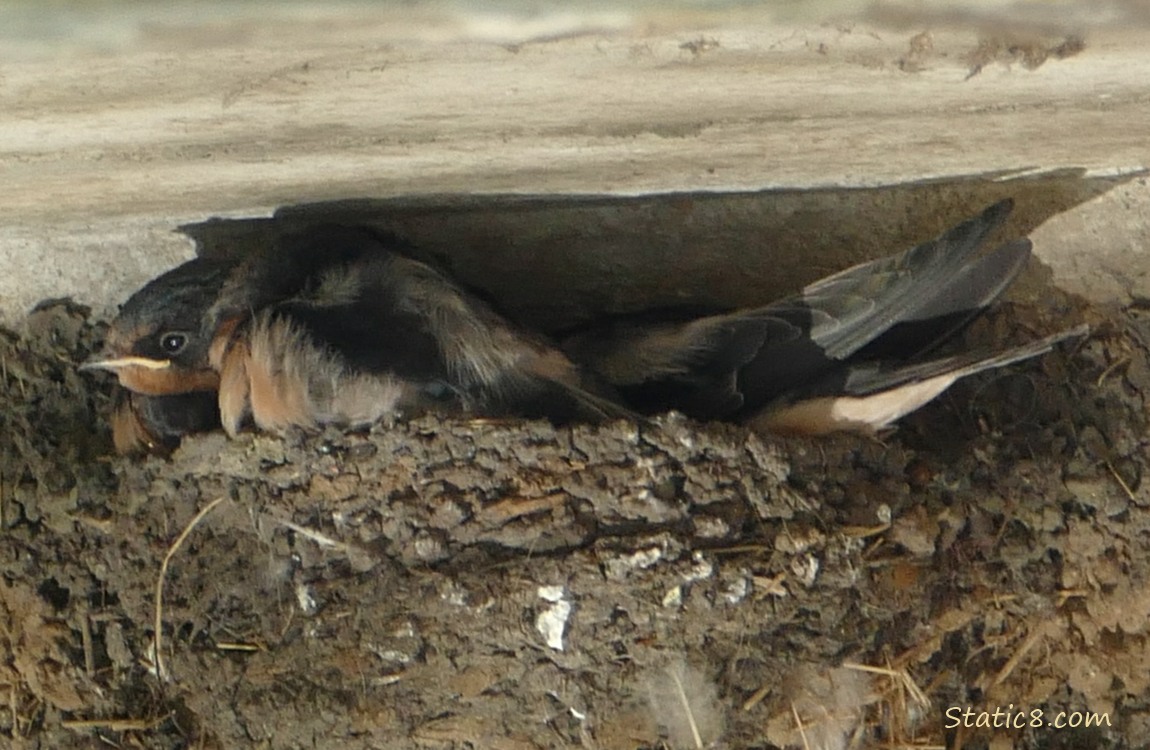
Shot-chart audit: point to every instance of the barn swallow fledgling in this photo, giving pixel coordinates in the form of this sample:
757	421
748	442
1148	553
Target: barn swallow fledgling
331	326
845	354
337	325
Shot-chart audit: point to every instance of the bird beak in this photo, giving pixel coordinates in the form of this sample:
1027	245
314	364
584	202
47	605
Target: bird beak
114	364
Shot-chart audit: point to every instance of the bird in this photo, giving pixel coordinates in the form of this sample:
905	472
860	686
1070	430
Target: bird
335	326
340	325
849	352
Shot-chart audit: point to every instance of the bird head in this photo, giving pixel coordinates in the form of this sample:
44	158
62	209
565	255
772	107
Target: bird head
159	342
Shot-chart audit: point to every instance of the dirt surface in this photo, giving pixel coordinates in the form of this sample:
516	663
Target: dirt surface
471	584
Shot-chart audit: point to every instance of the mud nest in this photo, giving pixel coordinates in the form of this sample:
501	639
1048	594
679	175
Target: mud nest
468	584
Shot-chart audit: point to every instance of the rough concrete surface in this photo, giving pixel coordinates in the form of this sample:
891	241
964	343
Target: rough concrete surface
181	116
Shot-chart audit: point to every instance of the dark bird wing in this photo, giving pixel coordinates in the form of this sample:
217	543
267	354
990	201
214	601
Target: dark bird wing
904	322
735	365
852	308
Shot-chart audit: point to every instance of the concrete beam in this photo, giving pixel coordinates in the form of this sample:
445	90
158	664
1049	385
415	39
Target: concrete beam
105	152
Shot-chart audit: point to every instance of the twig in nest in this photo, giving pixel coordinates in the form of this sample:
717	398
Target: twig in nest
687	709
1017	657
161	672
757	697
799	724
900	678
1113	368
116	725
320	539
1122	483
232	646
863	532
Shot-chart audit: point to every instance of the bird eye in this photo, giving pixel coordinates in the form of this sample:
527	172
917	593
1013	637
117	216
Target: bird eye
173	343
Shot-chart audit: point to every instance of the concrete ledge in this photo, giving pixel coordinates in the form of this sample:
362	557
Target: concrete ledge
104	153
